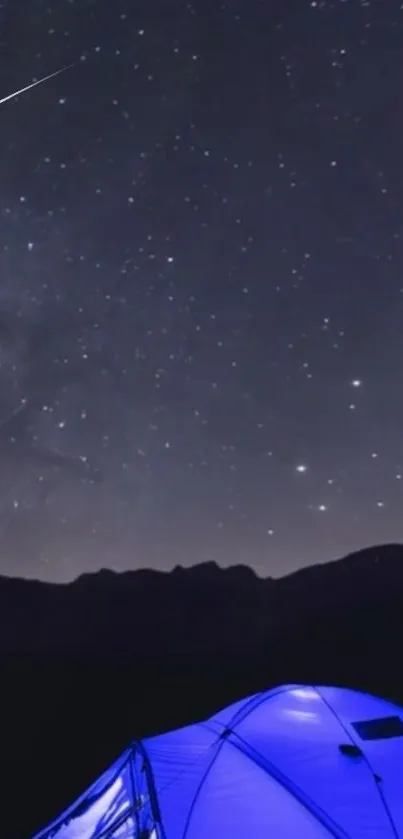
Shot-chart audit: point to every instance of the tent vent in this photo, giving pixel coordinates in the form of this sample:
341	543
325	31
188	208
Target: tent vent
379	729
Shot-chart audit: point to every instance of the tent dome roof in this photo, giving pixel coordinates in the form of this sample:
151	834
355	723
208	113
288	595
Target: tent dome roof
294	761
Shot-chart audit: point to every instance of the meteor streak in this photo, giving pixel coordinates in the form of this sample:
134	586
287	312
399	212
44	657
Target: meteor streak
28	87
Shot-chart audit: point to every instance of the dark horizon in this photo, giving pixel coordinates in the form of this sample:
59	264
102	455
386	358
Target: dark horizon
364	550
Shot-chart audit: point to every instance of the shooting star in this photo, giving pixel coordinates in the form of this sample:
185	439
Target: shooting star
34	84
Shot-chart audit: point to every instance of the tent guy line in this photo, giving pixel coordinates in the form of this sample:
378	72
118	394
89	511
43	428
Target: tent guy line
34	84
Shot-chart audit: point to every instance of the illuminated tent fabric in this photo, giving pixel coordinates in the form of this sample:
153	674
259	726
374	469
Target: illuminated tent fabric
292	763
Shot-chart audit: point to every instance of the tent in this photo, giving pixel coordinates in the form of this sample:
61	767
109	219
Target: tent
296	762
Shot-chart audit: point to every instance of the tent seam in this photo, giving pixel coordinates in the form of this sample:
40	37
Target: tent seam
284	781
200	787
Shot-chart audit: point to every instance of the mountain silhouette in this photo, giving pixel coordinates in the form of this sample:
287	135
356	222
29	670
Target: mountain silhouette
88	666
198	610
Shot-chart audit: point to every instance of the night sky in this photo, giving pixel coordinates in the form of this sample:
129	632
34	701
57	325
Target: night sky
201	290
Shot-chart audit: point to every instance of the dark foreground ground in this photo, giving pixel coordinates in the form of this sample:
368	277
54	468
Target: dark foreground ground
66	716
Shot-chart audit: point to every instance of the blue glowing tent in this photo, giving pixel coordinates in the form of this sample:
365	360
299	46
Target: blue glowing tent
296	762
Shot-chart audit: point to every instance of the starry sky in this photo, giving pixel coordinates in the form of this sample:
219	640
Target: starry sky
201	291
